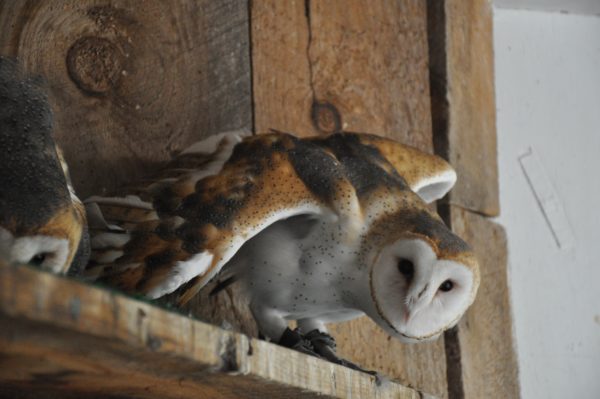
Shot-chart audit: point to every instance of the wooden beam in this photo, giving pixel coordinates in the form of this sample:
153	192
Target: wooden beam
131	85
62	338
324	66
485	362
480	350
461	52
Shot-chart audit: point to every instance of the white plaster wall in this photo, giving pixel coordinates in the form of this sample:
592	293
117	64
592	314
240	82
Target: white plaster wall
548	99
564	6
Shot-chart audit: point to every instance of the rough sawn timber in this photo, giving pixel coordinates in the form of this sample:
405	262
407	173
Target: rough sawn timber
485	363
480	350
60	338
130	85
461	50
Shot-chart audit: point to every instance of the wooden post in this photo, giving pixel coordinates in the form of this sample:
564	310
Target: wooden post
461	51
480	350
484	339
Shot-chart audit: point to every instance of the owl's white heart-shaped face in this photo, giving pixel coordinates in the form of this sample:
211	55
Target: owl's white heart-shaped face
417	294
49	253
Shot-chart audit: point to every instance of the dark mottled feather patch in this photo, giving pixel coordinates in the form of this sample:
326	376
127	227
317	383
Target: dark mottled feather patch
217	212
217	199
160	259
165	200
362	163
192	238
316	168
166	230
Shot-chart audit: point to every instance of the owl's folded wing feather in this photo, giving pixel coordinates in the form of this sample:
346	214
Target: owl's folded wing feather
180	231
430	176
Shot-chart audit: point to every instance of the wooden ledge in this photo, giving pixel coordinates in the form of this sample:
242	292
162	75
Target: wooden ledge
66	339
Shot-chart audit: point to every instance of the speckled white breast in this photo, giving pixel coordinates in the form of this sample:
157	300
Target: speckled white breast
302	269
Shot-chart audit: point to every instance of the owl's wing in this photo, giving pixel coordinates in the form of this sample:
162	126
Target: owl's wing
179	232
430	176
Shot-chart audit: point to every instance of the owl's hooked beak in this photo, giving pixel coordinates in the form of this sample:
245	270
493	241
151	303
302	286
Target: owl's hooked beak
416	303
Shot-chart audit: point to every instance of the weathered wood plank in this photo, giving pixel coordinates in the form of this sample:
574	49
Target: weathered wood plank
463	98
68	339
280	67
130	85
359	66
324	66
483	342
480	350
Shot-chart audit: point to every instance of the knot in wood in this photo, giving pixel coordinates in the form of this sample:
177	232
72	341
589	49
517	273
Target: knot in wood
94	64
325	117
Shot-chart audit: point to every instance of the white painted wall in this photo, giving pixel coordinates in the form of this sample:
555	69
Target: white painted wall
565	6
548	99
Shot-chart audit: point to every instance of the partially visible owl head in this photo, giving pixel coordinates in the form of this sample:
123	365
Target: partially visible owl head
41	220
422	276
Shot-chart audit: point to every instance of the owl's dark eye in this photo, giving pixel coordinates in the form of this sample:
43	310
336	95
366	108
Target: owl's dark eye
446	286
38	259
407	268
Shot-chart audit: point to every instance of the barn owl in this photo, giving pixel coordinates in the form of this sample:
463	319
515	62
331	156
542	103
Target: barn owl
42	222
317	230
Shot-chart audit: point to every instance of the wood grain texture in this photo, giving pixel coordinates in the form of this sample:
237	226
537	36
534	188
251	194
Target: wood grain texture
488	363
322	66
325	66
63	339
463	98
421	366
131	85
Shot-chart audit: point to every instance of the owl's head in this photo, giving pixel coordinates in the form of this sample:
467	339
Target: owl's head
41	220
422	282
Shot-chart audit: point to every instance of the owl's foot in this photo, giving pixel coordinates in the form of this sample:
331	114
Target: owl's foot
324	346
293	339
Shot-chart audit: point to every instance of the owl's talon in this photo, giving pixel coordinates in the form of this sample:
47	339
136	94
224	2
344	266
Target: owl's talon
294	339
319	337
324	346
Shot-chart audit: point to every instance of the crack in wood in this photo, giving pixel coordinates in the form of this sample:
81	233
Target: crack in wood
251	70
308	46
